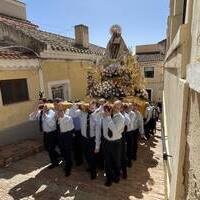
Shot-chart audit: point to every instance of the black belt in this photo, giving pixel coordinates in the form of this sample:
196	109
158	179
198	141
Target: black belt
91	138
50	132
129	132
136	130
66	132
112	141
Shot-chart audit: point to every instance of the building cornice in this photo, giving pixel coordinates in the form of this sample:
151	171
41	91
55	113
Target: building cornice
68	56
193	74
19	64
16	2
180	38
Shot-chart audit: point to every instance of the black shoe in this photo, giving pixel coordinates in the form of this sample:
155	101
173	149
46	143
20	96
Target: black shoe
147	136
108	183
51	166
116	180
79	163
134	158
67	173
93	175
124	175
88	170
129	164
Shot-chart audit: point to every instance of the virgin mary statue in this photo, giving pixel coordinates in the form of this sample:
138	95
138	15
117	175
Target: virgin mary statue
116	48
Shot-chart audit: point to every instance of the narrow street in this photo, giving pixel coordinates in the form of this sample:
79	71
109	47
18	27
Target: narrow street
30	179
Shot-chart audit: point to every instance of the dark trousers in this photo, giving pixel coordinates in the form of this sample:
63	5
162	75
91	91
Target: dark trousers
112	155
147	128
65	141
153	126
77	147
88	149
100	156
129	141
123	153
135	143
50	142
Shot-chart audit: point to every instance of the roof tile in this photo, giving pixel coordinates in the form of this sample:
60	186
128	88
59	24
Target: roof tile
11	54
150	57
56	42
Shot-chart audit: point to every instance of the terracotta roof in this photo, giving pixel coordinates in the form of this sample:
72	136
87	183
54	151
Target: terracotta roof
151	52
12	54
53	41
16	22
60	43
150	57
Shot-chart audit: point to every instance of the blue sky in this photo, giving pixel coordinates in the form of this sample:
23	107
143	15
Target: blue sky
142	21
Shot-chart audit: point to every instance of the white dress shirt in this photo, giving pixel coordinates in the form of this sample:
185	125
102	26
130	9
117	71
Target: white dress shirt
76	119
115	124
48	120
148	113
127	121
95	130
65	123
140	122
99	112
132	117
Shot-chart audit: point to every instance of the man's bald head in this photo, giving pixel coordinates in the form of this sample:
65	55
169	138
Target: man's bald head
117	106
102	101
60	106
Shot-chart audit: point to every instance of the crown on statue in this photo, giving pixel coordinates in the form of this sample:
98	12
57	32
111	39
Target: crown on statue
115	29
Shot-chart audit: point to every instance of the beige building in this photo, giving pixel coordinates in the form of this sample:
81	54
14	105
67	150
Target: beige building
34	61
150	58
181	100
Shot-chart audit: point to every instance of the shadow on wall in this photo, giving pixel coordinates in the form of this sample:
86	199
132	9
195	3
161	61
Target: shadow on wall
26	130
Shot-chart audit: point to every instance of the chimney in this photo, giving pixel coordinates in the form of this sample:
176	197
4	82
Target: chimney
82	36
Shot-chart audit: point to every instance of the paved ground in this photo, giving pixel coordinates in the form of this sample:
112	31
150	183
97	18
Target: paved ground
30	179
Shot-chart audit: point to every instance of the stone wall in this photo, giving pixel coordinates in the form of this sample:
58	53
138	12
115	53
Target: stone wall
182	109
17	113
23	131
75	72
175	108
156	83
192	160
13	8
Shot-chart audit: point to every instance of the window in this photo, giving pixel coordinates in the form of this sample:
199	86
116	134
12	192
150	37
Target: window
14	91
58	92
60	89
149	72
